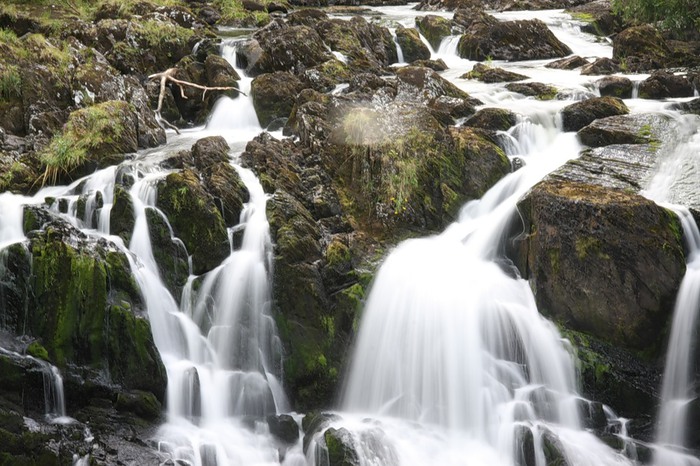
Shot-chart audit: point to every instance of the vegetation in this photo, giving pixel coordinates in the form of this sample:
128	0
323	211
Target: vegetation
679	16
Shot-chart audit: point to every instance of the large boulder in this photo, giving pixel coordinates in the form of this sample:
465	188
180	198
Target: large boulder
511	40
94	137
615	86
280	47
434	28
642	48
663	84
274	95
195	219
594	270
580	114
494	119
626	129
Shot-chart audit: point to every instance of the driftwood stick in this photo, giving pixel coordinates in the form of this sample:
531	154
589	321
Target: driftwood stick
168	75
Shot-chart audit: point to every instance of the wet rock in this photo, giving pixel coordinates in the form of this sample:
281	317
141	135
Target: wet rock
17	174
121	216
284	427
507	41
626	129
538	90
434	29
615	86
569	63
143	404
274	95
489	74
412	47
435	65
598	17
495	119
220	73
169	253
601	66
194	218
341	450
593	269
662	84
642	48
314	423
580	114
692	106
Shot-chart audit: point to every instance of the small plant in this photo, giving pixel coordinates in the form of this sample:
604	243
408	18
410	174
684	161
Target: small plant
10	83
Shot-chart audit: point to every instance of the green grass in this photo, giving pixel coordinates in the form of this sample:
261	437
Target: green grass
10	83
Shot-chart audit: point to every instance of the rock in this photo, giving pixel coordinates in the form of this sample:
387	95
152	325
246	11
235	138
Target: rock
598	17
341	450
194	218
494	119
17	175
662	84
600	66
94	137
220	73
489	74
121	216
569	63
284	427
425	85
511	40
597	272
538	90
368	47
169	253
580	114
274	95
626	129
284	48
435	65
434	28
143	404
642	48
692	106
615	86
411	45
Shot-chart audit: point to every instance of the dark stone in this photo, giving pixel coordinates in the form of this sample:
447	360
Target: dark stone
434	28
538	90
494	119
569	63
615	86
642	48
663	84
274	95
411	46
625	129
580	114
284	427
489	74
601	66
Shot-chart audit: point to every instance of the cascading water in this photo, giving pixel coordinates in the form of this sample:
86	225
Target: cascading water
678	392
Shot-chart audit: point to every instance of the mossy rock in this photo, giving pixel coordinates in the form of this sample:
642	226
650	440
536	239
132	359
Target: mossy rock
603	261
411	45
642	48
539	91
194	218
341	451
94	137
494	119
577	115
491	74
122	216
434	28
143	404
169	253
274	95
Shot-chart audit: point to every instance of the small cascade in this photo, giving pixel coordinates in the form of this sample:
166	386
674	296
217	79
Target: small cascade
54	400
11	213
448	46
635	88
239	114
678	393
399	51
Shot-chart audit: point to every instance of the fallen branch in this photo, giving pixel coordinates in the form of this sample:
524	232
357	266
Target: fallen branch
168	75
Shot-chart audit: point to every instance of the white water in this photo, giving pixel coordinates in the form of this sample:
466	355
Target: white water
678	391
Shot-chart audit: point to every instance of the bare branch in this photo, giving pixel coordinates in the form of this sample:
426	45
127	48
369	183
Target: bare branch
168	75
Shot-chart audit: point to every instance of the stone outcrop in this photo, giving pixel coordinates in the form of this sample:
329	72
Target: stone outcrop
580	114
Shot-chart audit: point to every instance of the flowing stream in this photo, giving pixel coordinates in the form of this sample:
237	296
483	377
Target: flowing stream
453	363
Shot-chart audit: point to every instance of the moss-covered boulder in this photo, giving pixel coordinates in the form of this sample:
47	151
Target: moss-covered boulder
511	40
169	253
642	48
340	447
615	86
494	119
580	114
274	95
122	215
411	45
663	84
195	219
94	137
82	303
491	74
434	28
280	47
603	261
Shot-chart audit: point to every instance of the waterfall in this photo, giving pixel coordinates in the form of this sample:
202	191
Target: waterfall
11	213
448	339
399	51
54	399
677	167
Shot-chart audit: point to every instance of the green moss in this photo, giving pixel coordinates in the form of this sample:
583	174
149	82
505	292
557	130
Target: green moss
38	351
233	12
96	128
337	253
